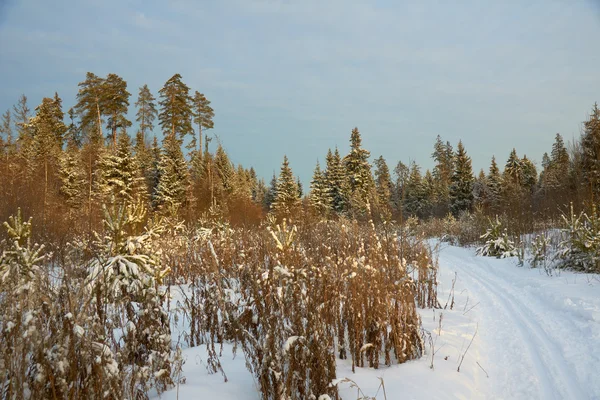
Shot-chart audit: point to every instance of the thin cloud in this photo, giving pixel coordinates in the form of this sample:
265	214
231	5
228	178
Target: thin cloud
141	21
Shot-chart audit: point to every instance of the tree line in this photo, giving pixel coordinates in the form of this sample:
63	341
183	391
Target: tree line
61	169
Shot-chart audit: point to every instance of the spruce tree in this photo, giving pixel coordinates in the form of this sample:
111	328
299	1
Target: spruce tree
242	184
319	196
461	188
120	176
529	173
286	201
175	117
143	158
271	193
358	172
494	184
203	116
153	177
559	154
554	176
72	176
146	112
402	172
429	194
335	182
513	170
47	126
226	175
546	161
414	192
443	156
480	191
300	188
383	184
590	151
173	175
260	197
255	183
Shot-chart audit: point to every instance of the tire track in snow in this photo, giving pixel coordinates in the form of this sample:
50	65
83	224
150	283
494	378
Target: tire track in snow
556	380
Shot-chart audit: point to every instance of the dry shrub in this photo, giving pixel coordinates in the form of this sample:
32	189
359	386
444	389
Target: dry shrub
462	231
85	328
295	296
291	297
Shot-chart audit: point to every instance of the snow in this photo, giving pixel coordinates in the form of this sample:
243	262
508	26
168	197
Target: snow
523	335
199	384
290	342
539	333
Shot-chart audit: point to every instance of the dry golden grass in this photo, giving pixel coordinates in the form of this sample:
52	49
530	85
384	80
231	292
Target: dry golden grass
94	323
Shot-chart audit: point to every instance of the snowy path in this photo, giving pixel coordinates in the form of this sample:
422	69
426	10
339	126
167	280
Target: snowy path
534	343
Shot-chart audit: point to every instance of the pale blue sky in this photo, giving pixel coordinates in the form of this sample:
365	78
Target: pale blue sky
295	77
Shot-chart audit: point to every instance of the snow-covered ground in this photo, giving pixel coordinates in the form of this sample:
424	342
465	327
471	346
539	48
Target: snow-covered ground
523	335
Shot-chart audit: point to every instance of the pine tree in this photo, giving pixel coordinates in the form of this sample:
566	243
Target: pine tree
6	132
143	159
203	115
48	130
286	201
175	117
73	134
173	175
90	105
154	172
92	152
358	172
116	103
319	196
7	152
461	188
21	115
146	112
24	140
